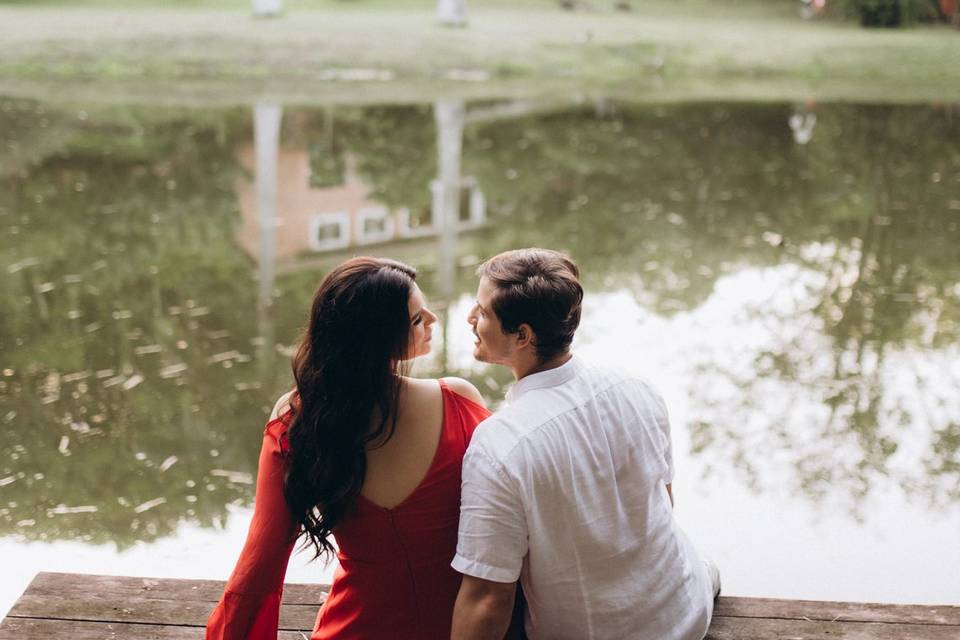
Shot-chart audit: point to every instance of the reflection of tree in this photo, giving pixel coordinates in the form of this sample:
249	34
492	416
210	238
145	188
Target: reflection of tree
328	165
884	239
901	291
30	134
662	200
395	149
943	463
128	316
666	200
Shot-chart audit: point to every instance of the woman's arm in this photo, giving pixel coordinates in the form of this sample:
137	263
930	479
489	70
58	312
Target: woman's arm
250	606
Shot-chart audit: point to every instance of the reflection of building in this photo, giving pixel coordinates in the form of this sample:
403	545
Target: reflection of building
311	220
307	212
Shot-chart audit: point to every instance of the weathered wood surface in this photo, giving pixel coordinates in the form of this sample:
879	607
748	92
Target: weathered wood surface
108	607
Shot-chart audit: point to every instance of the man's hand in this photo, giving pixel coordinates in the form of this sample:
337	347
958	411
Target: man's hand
483	609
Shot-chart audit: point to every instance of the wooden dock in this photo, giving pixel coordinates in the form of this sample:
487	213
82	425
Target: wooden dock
87	607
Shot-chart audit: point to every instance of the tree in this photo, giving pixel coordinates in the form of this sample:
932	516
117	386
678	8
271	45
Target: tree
892	13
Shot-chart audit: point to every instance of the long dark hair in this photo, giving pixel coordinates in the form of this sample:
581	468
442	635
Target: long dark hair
345	371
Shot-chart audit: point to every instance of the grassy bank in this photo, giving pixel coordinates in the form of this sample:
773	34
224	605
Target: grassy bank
213	50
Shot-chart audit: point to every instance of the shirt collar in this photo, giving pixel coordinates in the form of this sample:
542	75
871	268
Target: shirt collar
544	379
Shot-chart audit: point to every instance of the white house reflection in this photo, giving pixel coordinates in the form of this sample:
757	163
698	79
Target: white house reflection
294	220
288	219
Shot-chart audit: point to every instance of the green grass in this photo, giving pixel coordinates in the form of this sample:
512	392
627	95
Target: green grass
749	49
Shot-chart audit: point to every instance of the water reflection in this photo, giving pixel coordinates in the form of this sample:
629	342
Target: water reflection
122	330
802	122
158	266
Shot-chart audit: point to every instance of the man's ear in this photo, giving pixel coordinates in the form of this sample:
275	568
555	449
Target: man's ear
526	337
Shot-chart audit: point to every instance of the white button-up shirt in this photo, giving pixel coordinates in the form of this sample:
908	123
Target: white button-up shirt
564	488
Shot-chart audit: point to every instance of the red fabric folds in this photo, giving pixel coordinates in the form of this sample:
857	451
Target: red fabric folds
394	580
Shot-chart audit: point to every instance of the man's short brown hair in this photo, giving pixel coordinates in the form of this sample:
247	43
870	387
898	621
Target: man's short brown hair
538	287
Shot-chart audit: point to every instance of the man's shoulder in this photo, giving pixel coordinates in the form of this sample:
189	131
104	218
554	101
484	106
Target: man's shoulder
516	425
616	379
498	434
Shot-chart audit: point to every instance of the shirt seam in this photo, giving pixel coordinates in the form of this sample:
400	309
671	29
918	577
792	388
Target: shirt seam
496	466
460	559
545	423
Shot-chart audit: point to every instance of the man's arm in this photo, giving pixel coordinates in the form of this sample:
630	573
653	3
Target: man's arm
492	543
483	609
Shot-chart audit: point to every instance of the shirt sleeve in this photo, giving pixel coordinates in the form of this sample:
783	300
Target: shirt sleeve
250	606
492	540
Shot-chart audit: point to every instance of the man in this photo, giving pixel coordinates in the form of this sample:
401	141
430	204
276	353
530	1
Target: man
568	486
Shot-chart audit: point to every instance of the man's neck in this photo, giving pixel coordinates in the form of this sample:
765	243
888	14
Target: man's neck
522	370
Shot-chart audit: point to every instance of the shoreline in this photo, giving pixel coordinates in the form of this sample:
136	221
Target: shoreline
223	56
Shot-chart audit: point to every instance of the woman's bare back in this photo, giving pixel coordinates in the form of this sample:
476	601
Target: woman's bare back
396	468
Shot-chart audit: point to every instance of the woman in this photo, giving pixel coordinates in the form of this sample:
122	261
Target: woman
365	454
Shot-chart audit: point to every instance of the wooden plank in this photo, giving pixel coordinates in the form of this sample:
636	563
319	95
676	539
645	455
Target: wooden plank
87	606
120	587
38	629
845	611
124	586
144	611
724	628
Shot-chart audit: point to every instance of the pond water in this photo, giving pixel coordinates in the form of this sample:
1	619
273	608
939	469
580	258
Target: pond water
787	274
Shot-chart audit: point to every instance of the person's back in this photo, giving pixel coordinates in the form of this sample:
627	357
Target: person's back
361	454
396	467
586	456
568	487
395	547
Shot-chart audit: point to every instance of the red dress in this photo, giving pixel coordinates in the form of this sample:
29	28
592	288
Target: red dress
394	580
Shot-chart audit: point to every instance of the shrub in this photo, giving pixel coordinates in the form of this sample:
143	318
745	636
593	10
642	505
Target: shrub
889	13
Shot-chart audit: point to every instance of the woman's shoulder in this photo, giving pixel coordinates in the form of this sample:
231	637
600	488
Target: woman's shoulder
465	389
279	422
283	405
280	417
